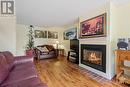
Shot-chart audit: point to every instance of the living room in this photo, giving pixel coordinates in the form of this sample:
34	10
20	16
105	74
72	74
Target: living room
50	23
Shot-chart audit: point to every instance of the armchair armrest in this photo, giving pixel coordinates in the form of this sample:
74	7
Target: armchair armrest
22	59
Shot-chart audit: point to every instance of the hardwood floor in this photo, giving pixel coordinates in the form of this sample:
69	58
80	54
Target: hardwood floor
61	73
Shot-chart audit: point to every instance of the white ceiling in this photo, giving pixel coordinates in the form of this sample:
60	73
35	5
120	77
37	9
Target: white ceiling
53	12
120	2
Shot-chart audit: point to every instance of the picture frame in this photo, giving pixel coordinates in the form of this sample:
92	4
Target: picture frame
40	34
52	35
70	34
94	27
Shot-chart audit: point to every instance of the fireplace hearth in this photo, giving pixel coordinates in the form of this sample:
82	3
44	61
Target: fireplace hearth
94	56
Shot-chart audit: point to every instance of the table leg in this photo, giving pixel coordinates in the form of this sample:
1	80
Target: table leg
68	55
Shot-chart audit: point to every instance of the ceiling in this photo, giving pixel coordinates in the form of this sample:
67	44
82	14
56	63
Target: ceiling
120	2
53	12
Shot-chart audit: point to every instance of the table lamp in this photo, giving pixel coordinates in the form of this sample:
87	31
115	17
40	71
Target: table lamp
57	42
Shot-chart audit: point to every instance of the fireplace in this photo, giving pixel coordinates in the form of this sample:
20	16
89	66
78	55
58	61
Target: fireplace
94	56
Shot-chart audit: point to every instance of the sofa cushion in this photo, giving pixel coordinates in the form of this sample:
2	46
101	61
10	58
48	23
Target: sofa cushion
20	75
4	71
50	47
44	49
22	59
9	58
32	82
23	66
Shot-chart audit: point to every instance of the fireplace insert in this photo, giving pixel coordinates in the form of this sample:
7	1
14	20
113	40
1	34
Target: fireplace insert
94	56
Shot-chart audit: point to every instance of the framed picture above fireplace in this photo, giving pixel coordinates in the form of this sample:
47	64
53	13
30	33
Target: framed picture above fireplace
94	27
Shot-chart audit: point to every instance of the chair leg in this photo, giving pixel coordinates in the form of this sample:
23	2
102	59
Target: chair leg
38	55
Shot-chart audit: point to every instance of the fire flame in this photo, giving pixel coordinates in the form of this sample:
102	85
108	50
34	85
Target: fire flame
93	55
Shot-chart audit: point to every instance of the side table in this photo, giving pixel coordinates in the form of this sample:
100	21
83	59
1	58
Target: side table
60	52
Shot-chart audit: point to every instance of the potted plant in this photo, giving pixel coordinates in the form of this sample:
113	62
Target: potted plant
30	44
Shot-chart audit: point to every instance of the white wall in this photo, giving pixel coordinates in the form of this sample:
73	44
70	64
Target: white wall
21	39
120	21
120	24
100	40
22	31
67	42
8	34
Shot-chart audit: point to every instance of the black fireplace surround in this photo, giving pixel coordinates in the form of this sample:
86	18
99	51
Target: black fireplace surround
100	48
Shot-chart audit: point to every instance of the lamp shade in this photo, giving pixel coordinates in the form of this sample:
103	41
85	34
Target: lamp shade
57	42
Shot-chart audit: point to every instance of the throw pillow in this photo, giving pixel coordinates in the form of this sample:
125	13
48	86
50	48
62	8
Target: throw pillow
44	49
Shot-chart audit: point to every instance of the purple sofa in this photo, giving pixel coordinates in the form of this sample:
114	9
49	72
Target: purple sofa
18	71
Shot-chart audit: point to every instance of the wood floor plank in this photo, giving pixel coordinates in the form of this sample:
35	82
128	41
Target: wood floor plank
61	73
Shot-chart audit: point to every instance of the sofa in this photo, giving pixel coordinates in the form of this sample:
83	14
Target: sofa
18	71
45	51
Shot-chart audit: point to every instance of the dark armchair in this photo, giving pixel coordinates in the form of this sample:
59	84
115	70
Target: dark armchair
45	51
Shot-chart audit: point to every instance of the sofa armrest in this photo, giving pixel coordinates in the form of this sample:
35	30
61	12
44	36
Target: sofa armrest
22	59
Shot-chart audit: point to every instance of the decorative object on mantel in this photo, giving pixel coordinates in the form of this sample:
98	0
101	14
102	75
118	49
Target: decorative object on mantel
40	34
30	44
70	34
52	35
94	27
122	43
